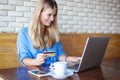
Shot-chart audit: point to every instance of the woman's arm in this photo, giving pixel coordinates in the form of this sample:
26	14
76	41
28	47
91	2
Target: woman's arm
40	59
69	59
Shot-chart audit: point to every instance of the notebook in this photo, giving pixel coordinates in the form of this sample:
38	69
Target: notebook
93	53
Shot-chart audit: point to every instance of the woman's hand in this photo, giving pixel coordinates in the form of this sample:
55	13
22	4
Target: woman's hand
70	59
73	59
40	59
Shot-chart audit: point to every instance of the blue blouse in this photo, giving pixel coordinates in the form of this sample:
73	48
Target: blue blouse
25	48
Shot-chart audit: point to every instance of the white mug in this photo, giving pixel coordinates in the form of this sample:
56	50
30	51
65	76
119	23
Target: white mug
59	68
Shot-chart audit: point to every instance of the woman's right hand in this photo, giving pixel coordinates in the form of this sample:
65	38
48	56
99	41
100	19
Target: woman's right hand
40	59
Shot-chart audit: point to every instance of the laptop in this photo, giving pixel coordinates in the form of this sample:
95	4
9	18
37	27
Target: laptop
93	53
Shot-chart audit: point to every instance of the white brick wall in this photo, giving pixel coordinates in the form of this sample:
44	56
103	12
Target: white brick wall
74	16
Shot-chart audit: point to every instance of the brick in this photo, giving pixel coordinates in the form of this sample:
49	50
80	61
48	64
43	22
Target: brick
17	30
108	24
59	17
30	4
78	9
109	1
77	18
116	1
99	7
3	24
26	24
98	11
3	13
96	3
32	9
15	24
22	19
61	2
88	10
74	16
72	4
16	2
7	7
91	23
82	14
118	6
3	1
91	6
63	12
62	22
115	25
100	15
68	8
71	31
15	13
83	22
67	26
78	0
71	13
112	20
92	15
108	16
7	18
118	21
82	5
105	12
72	22
67	17
60	7
34	0
27	14
62	30
112	5
23	8
107	8
78	27
9	30
115	9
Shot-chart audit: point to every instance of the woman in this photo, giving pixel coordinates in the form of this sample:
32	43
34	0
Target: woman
42	36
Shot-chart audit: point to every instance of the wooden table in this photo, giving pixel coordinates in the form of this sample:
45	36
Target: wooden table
109	70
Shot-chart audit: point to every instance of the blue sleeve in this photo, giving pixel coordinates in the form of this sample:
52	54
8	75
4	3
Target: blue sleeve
60	50
22	45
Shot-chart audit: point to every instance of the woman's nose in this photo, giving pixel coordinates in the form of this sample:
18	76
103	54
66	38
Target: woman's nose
52	18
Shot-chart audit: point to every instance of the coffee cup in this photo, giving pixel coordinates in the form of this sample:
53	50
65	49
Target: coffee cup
59	68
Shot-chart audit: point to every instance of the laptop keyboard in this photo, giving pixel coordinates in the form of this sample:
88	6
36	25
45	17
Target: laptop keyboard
73	66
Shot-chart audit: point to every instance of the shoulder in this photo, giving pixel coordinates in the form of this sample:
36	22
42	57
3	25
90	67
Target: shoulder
58	42
23	30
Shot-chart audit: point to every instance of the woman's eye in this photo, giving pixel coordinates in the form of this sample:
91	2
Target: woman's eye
49	15
54	15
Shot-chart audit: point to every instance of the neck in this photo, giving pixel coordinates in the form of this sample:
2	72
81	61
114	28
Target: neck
43	28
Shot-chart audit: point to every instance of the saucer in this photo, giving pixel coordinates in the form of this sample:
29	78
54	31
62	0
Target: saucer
68	73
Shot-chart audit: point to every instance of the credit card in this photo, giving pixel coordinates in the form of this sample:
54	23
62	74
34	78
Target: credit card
50	53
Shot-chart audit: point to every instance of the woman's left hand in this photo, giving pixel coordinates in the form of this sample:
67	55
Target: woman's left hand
73	59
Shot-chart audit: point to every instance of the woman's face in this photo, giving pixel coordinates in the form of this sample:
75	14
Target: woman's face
48	16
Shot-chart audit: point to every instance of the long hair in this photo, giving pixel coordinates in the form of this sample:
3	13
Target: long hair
34	29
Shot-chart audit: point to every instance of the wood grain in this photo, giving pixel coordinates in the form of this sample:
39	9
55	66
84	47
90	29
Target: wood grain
73	44
8	50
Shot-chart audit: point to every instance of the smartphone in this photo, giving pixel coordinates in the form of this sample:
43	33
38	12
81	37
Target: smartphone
44	71
38	73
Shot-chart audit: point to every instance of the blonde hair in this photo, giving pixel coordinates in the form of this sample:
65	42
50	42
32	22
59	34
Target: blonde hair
34	29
